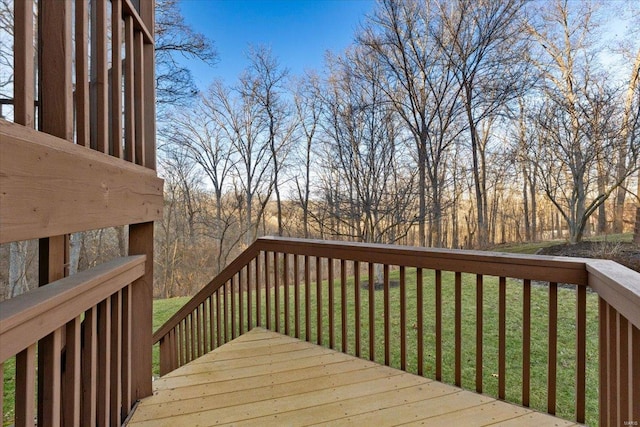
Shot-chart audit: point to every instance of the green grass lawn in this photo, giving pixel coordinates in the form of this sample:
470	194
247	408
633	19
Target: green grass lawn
566	370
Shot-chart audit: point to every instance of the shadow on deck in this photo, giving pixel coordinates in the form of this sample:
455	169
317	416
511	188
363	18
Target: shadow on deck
265	378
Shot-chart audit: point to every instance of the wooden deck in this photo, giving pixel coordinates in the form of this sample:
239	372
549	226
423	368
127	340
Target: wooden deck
264	378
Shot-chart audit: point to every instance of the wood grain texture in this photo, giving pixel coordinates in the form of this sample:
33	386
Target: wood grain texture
55	79
23	62
50	187
618	285
30	317
141	243
263	378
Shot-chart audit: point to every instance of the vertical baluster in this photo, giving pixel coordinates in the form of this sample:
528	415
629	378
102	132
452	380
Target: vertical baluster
287	301
403	319
296	294
193	326
90	366
635	375
240	299
332	342
225	313
387	317
174	358
127	350
502	336
604	365
372	314
526	342
276	290
267	290
553	348
219	316
581	352
82	71
258	293
25	391
458	329
179	343
53	381
100	77
211	323
71	380
420	320
249	297
138	98
479	330
232	290
129	94
201	333
307	299
438	295
343	305
623	370
612	356
319	300
116	356
116	77
356	297
104	365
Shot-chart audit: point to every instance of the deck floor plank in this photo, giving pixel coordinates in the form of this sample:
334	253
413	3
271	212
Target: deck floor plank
267	379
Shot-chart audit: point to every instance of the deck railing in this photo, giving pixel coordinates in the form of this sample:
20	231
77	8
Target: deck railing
79	154
474	319
85	319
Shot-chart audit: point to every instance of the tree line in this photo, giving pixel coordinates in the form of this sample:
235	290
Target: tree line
446	123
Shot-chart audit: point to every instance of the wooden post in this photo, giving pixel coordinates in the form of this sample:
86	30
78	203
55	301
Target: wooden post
56	118
141	243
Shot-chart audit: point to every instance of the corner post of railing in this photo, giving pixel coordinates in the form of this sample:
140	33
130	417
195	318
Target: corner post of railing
141	243
619	341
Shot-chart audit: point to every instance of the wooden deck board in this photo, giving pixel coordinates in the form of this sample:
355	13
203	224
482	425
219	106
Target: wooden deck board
264	378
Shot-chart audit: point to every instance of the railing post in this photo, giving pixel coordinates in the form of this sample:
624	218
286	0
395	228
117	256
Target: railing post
141	243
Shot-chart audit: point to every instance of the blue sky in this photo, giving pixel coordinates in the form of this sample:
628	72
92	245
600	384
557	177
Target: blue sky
299	32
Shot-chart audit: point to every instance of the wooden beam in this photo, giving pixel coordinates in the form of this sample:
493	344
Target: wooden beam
50	187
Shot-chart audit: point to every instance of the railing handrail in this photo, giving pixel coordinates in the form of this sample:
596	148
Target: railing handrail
535	267
618	285
30	317
243	259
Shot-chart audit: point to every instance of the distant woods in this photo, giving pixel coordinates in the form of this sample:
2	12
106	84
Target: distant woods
446	123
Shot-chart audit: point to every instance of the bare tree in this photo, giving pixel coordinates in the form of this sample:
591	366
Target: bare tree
578	119
174	39
264	81
198	132
480	38
308	107
364	139
421	85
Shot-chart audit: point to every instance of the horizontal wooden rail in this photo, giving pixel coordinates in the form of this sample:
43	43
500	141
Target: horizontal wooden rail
447	289
534	267
30	317
51	187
